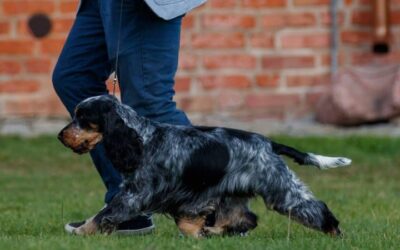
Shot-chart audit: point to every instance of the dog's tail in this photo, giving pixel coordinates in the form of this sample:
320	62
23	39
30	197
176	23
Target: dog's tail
320	161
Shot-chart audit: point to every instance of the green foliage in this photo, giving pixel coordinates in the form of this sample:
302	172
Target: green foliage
43	185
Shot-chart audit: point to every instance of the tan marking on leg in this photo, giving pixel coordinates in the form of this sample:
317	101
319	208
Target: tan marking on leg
191	226
228	219
219	228
89	228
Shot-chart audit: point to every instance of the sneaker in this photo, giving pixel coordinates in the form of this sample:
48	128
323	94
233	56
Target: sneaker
137	225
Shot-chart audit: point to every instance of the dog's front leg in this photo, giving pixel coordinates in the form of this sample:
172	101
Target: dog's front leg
123	207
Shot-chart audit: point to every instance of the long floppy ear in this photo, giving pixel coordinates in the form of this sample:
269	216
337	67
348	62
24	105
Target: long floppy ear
123	144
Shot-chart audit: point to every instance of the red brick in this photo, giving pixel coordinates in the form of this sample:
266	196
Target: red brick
229	61
326	17
284	20
268	80
262	40
4	28
69	6
22	27
182	84
8	67
38	65
218	40
33	107
15	7
288	62
269	114
312	99
19	86
222	41
16	47
52	46
307	80
23	107
362	58
62	25
272	100
363	18
205	104
225	81
367	2
366	58
222	3
356	37
230	100
326	58
263	3
188	22
227	21
186	40
348	2
301	40
187	61
311	2
395	17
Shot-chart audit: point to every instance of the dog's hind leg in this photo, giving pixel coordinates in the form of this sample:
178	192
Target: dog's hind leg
191	225
283	192
232	217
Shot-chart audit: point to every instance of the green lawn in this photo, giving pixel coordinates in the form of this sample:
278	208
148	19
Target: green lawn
43	185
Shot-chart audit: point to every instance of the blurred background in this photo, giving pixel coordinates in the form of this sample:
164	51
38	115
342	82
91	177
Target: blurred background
242	61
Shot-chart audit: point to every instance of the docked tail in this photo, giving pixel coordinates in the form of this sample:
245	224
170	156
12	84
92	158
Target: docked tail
320	161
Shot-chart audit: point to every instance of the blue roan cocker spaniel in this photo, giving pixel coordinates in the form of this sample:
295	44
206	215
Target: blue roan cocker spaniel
201	176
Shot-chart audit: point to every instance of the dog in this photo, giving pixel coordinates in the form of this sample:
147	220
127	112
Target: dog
203	177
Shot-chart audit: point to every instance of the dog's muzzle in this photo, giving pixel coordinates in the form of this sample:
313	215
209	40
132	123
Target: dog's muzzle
77	139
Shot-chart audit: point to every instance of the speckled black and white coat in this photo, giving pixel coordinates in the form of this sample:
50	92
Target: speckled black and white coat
190	171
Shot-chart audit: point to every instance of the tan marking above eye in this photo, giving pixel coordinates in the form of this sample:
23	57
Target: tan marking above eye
93	126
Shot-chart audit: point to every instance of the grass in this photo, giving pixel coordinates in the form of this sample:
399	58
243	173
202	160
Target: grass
43	185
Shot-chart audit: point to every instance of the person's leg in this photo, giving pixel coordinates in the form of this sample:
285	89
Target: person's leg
81	72
148	58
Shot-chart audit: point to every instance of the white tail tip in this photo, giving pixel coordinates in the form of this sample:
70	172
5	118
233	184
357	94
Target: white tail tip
325	162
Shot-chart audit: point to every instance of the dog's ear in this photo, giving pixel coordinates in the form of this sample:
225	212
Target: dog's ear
123	144
104	111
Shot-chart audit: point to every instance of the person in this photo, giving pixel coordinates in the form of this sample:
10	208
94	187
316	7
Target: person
147	33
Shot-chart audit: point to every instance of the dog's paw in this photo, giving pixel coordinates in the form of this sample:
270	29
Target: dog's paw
89	228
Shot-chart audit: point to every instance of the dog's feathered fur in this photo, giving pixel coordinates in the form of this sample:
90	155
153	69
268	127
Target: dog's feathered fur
201	176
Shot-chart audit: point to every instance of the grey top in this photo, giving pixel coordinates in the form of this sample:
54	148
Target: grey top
169	9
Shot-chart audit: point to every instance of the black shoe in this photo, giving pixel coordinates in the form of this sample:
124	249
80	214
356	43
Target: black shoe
137	225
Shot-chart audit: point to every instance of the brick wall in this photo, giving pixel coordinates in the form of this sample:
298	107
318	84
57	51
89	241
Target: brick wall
242	59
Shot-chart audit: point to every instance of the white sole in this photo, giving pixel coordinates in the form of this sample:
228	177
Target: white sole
69	229
141	231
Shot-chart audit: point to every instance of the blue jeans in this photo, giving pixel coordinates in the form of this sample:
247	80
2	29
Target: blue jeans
148	59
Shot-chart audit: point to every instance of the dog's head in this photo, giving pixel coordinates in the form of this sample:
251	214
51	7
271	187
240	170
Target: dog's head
89	123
